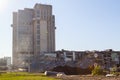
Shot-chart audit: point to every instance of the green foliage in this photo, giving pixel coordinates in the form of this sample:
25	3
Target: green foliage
113	70
97	71
24	76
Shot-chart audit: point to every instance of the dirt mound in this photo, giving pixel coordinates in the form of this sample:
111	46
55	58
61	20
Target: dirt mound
72	70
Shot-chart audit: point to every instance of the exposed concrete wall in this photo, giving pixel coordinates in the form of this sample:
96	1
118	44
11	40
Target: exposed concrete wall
43	36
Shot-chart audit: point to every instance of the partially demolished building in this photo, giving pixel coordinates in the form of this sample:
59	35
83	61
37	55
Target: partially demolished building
81	59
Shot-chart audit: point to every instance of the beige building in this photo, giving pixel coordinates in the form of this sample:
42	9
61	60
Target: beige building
33	32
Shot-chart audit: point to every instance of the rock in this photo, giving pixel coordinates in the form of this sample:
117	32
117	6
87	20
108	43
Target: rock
50	73
61	74
110	75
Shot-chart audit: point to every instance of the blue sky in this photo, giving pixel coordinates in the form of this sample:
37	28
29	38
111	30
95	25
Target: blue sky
81	24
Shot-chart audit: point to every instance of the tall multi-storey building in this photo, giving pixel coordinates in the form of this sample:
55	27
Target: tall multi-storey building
33	32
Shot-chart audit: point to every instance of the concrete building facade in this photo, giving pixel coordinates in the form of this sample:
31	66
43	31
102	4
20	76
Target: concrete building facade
33	32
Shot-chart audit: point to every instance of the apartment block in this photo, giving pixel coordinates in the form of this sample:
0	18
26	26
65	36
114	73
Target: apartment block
33	32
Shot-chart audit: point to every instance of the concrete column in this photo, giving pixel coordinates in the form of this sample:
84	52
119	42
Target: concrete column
65	56
73	56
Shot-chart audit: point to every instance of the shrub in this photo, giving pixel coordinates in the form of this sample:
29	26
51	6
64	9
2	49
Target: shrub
97	71
113	70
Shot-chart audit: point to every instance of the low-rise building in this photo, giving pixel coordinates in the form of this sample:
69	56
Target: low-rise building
5	62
